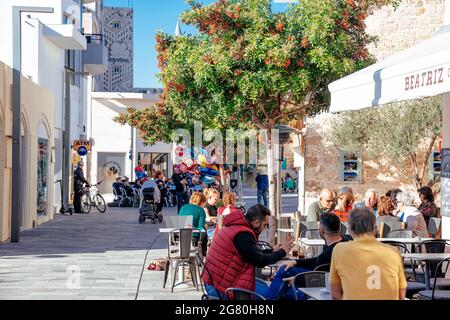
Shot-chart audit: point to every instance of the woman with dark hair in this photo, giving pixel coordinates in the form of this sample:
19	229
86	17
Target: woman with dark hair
427	207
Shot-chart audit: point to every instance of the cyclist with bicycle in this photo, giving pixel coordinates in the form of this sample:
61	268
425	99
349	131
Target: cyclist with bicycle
78	181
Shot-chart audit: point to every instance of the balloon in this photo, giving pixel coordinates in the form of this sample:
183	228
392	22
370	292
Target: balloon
208	171
179	151
189	163
208	179
214	167
201	159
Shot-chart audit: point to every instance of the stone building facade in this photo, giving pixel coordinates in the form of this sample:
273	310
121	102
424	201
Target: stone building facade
396	29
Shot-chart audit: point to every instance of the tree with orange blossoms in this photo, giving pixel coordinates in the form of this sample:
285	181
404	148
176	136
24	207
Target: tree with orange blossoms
251	67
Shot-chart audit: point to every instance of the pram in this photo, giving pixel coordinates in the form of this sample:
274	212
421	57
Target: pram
147	209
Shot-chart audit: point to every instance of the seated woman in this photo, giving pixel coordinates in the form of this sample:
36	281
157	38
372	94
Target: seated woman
409	214
212	198
228	201
330	231
344	206
427	206
195	209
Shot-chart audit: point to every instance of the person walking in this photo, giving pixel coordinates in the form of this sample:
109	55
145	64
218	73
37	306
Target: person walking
78	182
262	186
180	187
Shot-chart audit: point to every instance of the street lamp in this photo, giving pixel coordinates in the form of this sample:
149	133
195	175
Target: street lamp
17	186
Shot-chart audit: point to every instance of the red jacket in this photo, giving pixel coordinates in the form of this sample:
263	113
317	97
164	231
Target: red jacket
224	263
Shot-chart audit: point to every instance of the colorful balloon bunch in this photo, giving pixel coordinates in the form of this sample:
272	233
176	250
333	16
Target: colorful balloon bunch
199	164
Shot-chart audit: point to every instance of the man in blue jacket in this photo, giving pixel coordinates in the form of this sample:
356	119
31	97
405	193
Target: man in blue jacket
262	185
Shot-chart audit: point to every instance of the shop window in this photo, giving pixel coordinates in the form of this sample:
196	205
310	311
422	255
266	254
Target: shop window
42	177
350	165
153	162
435	165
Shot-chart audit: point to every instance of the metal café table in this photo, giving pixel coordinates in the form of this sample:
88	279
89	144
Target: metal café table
316	293
181	280
312	242
426	257
405	240
321	242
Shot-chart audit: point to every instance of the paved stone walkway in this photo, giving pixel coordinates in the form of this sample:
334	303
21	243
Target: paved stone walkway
108	249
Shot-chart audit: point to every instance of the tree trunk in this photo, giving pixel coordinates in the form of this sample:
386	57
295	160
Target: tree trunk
222	179
272	190
239	185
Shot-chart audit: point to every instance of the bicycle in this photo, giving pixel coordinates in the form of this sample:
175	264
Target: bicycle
92	198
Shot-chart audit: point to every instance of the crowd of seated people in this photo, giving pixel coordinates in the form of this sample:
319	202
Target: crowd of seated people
234	253
394	205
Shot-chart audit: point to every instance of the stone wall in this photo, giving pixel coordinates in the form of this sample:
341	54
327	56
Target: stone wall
396	30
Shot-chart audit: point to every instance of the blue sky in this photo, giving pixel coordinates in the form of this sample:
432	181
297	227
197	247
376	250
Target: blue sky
149	17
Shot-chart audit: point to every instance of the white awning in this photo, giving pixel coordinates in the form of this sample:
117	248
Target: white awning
418	72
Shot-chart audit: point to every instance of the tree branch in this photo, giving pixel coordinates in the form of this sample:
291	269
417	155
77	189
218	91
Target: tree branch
416	168
425	162
255	119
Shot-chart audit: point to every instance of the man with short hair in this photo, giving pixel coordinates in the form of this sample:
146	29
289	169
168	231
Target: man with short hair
116	186
366	269
326	203
329	230
234	253
370	201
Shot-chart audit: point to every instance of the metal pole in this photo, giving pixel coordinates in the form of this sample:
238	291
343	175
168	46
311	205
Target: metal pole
279	180
66	138
16	188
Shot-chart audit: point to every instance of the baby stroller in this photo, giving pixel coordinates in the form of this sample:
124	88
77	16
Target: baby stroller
147	209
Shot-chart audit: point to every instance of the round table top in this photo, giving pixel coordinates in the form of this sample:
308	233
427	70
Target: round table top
426	256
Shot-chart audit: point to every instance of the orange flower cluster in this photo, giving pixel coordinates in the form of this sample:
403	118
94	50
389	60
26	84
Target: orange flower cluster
220	16
176	86
279	27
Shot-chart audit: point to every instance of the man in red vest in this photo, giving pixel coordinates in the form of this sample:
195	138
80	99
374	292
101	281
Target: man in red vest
234	253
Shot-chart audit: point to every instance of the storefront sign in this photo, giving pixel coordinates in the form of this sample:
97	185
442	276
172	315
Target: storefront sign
82	151
427	78
82	143
445	182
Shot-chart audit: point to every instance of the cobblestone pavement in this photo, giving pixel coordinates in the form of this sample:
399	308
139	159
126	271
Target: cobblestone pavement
108	249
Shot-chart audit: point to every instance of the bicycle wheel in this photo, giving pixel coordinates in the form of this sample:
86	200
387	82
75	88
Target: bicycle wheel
100	203
85	204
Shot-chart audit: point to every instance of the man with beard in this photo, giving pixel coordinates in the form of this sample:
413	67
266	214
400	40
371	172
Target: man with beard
234	253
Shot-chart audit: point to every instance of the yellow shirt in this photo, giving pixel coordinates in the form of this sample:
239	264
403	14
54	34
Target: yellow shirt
367	270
